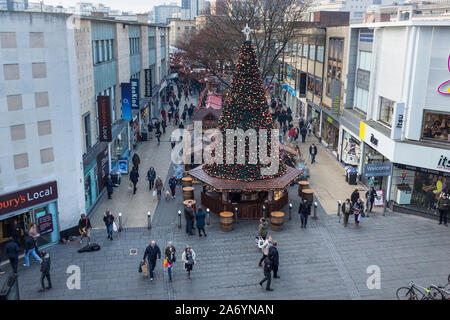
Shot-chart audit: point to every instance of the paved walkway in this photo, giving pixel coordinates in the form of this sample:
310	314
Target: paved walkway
134	208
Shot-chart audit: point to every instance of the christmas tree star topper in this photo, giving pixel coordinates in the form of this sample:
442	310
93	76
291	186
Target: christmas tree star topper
247	32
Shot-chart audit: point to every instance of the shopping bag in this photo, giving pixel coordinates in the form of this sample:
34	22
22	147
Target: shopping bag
359	217
145	269
114	227
130	186
165	263
154	193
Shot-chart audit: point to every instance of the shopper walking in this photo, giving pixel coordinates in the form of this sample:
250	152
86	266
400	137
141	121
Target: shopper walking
16	232
262	228
158	135
134	178
443	206
303	132
45	271
267	274
171	258
12	251
84	228
108	219
150	129
265	250
136	161
151	176
189	216
188	257
304	210
358	209
313	152
109	186
159	186
152	253
354	197
274	258
370	198
200	219
33	232
164	126
173	184
30	246
346	210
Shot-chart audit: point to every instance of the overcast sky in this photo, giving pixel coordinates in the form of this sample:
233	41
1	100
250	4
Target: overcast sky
136	6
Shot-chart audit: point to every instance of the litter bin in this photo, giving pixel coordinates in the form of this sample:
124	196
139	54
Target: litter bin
115	177
352	175
144	136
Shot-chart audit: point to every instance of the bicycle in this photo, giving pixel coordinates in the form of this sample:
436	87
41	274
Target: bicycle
414	292
444	290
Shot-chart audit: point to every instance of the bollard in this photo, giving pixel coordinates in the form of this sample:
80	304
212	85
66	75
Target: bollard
339	210
264	211
385	203
235	215
149	220
208	217
315	211
120	221
179	219
290	209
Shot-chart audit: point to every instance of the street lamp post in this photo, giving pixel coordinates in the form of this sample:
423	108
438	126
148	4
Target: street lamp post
290	209
120	221
315	211
339	210
179	219
208	217
149	220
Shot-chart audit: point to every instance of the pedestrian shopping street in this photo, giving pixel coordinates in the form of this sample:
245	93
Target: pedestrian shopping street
324	261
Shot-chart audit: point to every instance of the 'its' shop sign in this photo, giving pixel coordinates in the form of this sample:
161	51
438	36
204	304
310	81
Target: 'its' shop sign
28	197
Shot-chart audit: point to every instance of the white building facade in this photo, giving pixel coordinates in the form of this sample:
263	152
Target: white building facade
396	85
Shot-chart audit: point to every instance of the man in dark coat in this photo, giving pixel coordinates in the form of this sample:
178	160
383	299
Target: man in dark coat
109	186
273	255
45	271
164	126
267	274
354	197
189	216
152	252
134	177
173	184
136	161
313	152
158	125
303	132
12	251
16	232
304	210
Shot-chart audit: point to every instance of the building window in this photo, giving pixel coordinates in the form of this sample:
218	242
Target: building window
102	50
365	59
361	99
134	46
334	62
320	53
318	86
36	40
300	49
44	128
436	126
14	102
310	85
41	99
305	50
386	110
47	155
8	40
11	72
87	131
20	161
18	132
312	52
151	42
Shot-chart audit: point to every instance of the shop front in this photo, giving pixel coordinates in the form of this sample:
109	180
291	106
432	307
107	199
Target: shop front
314	119
95	170
351	149
134	129
372	156
330	133
119	147
37	205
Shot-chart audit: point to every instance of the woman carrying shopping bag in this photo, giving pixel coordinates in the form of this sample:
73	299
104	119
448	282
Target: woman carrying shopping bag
170	259
188	257
159	186
358	209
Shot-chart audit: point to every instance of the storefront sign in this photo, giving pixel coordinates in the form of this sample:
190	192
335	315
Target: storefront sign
423	170
381	169
148	82
102	168
329	119
336	88
444	163
45	224
28	197
126	101
104	118
399	110
123	165
134	83
290	89
373	140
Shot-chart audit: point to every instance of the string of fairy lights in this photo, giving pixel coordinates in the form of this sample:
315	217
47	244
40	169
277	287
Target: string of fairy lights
245	108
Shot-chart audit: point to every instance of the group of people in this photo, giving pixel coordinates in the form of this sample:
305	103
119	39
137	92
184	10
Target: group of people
269	257
193	217
30	246
152	254
354	205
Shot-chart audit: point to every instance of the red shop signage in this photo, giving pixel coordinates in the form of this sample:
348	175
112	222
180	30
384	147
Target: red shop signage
28	197
104	118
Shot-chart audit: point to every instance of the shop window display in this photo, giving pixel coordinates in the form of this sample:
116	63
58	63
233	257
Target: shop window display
436	126
318	86
310	85
330	134
351	150
386	110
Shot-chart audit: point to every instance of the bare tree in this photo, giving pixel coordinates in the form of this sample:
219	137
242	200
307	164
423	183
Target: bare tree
274	24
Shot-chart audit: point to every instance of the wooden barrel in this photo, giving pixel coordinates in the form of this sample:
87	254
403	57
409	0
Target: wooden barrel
276	220
186	182
188	193
302	185
226	220
309	195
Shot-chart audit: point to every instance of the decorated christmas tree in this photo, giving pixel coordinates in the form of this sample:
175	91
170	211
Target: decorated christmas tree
245	108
